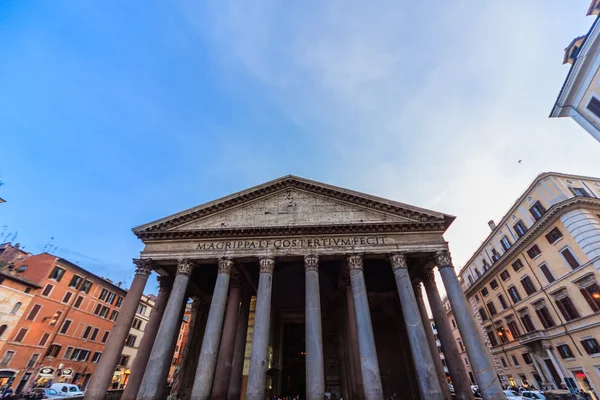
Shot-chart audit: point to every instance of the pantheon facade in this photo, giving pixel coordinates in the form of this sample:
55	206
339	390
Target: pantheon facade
298	288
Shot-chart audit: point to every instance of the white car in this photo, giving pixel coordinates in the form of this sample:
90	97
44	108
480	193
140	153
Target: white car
67	389
512	395
533	394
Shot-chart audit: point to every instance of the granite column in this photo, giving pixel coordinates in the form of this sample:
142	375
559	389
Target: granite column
96	390
481	362
237	366
315	369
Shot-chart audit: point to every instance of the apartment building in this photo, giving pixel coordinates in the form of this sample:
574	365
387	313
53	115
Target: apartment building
534	286
180	343
461	347
61	333
579	97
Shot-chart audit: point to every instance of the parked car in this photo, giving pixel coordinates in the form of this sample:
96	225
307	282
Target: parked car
475	390
42	393
67	389
451	387
560	395
512	395
533	394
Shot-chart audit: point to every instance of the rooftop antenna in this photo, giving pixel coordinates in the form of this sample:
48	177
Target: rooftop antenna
14	237
48	246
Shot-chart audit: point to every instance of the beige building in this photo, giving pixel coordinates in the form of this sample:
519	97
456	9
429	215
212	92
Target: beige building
142	315
534	285
459	343
579	98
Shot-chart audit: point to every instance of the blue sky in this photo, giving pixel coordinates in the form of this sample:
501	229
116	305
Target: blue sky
114	114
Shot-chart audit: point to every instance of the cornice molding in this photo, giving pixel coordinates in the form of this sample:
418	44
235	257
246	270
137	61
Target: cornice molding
376	228
291	182
549	217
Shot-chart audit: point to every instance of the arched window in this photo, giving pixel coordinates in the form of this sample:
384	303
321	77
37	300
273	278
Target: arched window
2	329
16	308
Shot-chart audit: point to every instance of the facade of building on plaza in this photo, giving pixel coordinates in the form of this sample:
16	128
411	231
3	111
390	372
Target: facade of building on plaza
62	329
458	340
334	277
534	286
579	97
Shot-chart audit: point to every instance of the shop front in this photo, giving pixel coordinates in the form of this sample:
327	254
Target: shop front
584	383
45	378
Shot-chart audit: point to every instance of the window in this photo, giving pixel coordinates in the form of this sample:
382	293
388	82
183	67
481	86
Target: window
453	323
565	351
502	334
547	274
505	243
96	357
75	281
65	327
495	255
537	210
105	336
142	309
34	312
20	335
114	315
44	339
174	360
514	294
123	360
553	236
502	302
515	361
78	301
111	298
528	285
517	265
137	323
483	314
570	258
545	317
591	293
520	228
55	318
57	274
534	251
590	346
580	192
131	340
527	358
16	307
94	334
87	331
103	294
567	309
2	330
470	278
484	292
68	353
67	297
119	301
492	309
87	285
492	337
594	106
7	358
485	265
477	272
98	309
494	284
27	290
503	362
32	360
527	322
513	328
47	290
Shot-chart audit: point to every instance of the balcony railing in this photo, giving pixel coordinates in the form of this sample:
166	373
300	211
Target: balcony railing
532	337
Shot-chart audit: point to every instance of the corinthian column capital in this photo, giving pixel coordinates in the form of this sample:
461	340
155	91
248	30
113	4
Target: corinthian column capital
398	260
267	265
143	266
443	259
225	266
185	266
428	277
355	261
164	282
311	262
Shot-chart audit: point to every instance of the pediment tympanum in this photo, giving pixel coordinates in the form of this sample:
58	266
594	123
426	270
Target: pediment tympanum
292	203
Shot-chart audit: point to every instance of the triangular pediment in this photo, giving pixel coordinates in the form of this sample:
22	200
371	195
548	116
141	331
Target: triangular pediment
292	208
292	202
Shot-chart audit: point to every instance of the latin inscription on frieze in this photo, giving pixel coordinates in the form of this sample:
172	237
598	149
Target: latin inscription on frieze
292	243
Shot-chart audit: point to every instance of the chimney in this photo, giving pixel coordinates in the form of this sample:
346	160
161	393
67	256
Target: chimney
492	224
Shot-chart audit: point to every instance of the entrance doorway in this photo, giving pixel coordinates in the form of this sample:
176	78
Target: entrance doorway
553	372
293	370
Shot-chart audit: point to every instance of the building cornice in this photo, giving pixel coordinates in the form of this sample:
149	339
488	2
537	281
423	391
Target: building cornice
549	217
514	208
376	228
